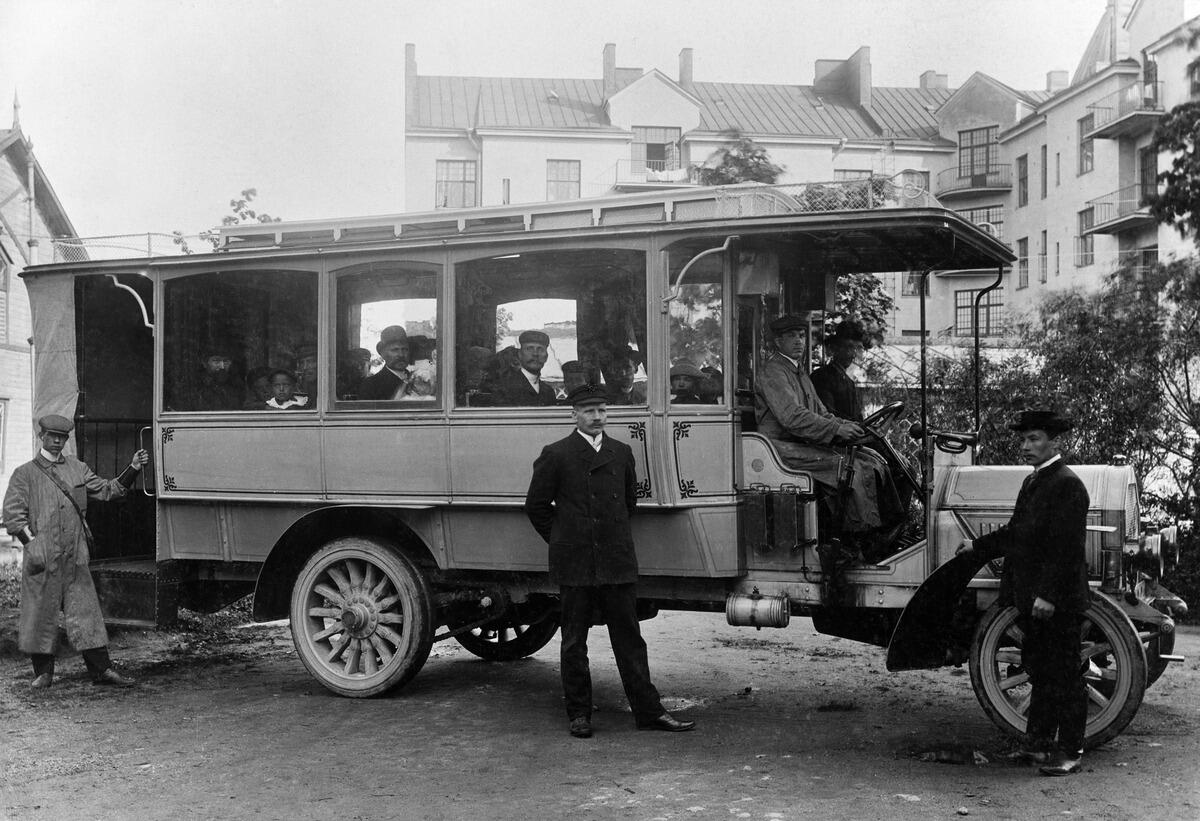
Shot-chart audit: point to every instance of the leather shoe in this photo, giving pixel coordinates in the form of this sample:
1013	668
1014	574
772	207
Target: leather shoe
1023	755
113	678
1062	765
668	723
581	727
43	681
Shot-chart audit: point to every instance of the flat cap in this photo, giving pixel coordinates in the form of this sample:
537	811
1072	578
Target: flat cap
587	394
538	337
392	333
1047	420
788	322
53	423
686	369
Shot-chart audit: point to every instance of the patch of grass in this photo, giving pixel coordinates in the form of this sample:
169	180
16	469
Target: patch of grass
10	584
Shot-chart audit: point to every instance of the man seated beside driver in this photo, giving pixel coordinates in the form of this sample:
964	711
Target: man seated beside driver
810	438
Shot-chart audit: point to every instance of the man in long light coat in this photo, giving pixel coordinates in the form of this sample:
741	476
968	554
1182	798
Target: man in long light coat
44	510
810	438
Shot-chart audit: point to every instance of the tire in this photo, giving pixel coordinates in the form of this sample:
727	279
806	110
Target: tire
362	617
1110	647
513	636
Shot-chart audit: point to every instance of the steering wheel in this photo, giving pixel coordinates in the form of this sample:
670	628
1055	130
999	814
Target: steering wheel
886	415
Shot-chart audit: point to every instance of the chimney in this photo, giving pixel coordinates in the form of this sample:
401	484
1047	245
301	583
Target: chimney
685	68
410	78
932	80
610	69
1056	80
851	77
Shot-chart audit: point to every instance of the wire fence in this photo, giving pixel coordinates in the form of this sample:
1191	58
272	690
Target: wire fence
124	246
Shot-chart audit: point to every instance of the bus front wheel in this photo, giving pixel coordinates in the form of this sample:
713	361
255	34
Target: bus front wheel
362	617
1110	652
515	635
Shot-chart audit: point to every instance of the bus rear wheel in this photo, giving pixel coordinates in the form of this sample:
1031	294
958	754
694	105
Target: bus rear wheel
1110	650
362	617
515	635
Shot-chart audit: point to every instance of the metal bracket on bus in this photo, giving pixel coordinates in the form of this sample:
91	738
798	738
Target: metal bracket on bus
675	289
142	473
145	314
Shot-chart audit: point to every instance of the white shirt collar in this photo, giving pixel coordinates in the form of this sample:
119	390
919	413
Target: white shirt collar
795	363
594	441
1055	458
49	458
532	378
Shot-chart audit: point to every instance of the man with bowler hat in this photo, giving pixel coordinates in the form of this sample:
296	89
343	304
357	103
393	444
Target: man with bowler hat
836	388
1045	578
580	498
523	385
393	380
44	509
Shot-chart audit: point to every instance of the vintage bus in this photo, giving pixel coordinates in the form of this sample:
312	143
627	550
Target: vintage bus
381	525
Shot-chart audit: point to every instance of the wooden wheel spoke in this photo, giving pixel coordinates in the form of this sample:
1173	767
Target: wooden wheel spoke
369	661
1015	634
390	618
1021	704
379	587
338	648
331	630
1096	697
385	654
1089	652
389	635
330	594
325	612
1010	682
1008	656
351	659
369	578
339	578
385	604
356	573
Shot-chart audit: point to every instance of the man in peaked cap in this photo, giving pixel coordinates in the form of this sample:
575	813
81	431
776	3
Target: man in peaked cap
44	509
836	388
1045	578
393	380
810	438
523	385
581	496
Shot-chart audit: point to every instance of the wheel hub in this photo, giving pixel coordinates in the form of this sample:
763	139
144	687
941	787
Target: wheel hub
359	619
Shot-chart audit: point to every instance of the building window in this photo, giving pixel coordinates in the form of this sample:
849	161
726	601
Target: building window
3	302
655	148
1087	157
1042	261
1045	172
1022	180
911	284
562	180
978	151
3	430
1085	243
1194	77
847	174
1147	173
991	313
1023	262
1057	169
506	190
456	184
991	218
1057	258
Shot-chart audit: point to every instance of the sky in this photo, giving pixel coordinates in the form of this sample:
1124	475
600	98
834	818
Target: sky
149	115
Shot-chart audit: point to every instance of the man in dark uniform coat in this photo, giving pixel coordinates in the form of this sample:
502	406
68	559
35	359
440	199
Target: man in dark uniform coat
393	381
1045	578
580	498
836	389
523	385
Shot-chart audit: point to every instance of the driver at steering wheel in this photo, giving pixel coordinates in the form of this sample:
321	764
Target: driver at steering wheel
810	438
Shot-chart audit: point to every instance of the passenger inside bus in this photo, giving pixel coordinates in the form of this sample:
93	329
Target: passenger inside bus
576	373
523	385
306	369
258	389
685	383
836	388
712	386
210	387
393	381
354	366
283	392
810	438
620	384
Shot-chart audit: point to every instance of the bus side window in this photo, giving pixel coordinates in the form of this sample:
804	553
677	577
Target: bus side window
698	332
224	331
521	317
387	334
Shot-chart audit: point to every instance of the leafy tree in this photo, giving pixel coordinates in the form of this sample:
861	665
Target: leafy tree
741	159
242	212
861	298
1179	202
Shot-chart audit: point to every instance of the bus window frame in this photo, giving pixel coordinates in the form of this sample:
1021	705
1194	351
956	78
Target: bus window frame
728	323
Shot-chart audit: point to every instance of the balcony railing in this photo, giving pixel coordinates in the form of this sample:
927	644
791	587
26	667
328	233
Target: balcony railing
654	172
1132	109
956	181
1121	210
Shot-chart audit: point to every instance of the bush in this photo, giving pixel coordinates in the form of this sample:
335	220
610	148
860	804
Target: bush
1183	578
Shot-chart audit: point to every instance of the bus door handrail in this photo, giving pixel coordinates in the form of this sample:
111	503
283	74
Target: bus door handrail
142	446
675	289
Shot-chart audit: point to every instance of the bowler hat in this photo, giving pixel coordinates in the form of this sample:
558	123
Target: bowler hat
686	369
392	333
537	337
846	331
1047	420
788	322
586	394
53	423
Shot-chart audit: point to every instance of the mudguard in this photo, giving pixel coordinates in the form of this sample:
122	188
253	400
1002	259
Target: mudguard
923	636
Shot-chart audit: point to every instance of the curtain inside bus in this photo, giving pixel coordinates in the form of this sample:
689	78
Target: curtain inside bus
55	381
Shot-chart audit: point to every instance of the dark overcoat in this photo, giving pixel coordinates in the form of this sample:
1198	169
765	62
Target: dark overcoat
838	392
54	569
512	389
379	386
1043	543
580	501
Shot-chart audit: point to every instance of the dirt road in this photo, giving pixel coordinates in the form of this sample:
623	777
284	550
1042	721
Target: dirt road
228	725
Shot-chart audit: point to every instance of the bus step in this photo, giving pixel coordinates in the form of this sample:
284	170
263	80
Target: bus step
132	593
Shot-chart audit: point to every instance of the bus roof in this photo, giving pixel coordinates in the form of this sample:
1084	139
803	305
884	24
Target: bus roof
869	225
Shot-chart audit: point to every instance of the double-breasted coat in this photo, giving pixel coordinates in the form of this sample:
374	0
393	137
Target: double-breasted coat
580	501
54	568
1043	543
